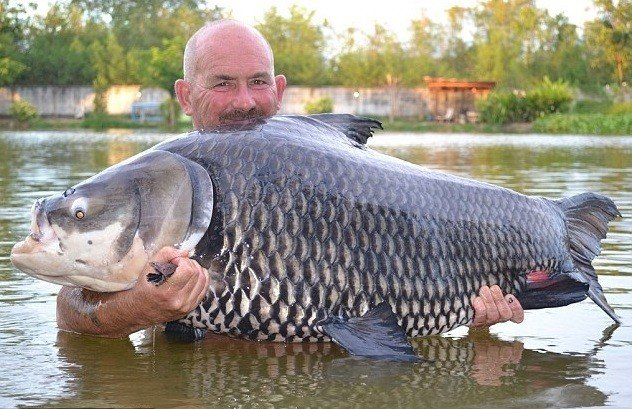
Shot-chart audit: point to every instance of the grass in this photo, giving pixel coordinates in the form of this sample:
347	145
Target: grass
93	122
587	119
414	125
585	124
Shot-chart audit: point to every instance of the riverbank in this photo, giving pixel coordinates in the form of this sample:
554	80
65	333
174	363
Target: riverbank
584	124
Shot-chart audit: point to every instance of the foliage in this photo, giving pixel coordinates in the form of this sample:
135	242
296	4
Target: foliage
101	121
621	108
586	124
501	107
610	38
165	64
319	106
23	111
548	97
59	48
591	107
373	60
171	111
506	37
13	25
513	42
298	43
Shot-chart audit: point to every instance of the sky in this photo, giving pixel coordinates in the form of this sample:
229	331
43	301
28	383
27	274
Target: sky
395	15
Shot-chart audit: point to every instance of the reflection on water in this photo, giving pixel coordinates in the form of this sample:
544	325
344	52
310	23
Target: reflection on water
475	370
557	358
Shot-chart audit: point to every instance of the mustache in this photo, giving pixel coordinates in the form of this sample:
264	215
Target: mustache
242	115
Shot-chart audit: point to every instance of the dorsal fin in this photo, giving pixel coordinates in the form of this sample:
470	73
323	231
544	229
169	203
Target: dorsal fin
356	128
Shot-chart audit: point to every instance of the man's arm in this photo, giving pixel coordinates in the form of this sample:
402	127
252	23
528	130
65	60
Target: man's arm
121	313
492	307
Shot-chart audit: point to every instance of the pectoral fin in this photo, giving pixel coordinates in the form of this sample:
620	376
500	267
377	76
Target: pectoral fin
162	271
374	335
179	332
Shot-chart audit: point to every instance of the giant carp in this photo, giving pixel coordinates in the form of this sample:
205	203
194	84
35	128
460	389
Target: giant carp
310	235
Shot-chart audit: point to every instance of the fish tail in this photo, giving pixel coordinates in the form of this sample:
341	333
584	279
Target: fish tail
587	216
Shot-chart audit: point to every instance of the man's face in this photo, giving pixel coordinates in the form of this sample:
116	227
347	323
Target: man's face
233	82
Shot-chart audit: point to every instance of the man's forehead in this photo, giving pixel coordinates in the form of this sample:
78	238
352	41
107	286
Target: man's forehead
234	66
229	52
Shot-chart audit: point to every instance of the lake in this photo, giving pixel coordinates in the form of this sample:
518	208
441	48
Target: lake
562	357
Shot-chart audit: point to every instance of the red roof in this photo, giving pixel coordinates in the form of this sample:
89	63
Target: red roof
456	84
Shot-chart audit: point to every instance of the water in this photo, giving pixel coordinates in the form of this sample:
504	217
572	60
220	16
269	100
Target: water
563	357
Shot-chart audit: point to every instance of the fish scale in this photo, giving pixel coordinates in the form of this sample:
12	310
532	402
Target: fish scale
312	225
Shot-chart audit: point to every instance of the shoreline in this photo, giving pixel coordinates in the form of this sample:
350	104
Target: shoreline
591	124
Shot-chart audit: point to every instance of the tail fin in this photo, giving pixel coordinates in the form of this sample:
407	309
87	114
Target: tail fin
587	216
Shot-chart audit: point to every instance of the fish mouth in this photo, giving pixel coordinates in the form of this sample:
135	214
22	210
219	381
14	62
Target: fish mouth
41	232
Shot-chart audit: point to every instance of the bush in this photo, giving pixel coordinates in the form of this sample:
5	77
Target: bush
548	98
591	107
23	111
586	124
502	107
621	108
320	106
170	110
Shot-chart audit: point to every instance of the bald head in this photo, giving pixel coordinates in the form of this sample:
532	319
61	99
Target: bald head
218	35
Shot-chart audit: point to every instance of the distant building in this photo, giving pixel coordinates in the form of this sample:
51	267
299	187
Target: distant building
452	99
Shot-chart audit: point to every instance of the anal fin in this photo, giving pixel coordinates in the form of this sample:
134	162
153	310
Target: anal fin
162	271
545	291
374	335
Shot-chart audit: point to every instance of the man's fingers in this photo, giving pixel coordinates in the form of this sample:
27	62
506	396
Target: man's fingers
490	305
517	313
504	312
480	315
201	287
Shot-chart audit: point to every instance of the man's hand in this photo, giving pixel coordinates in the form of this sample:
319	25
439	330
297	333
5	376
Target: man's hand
491	307
180	294
121	313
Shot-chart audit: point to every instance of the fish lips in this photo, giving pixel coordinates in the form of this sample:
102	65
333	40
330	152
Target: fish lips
41	238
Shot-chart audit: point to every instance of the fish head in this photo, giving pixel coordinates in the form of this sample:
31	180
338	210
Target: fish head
101	233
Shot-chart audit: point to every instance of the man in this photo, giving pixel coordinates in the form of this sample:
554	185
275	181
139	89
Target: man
228	79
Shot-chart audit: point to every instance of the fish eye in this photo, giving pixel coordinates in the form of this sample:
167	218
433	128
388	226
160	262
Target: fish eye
79	208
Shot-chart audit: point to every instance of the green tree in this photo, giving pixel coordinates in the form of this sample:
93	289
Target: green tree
456	56
505	40
380	61
298	43
110	65
165	66
561	54
424	46
142	24
610	38
58	48
13	22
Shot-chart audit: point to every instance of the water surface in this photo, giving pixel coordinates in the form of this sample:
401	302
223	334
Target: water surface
563	357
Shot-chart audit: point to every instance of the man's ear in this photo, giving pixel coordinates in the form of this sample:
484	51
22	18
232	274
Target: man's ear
281	83
183	92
